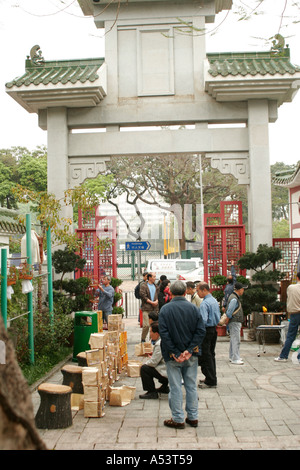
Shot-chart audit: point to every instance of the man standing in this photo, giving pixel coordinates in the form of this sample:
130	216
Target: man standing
149	296
293	308
138	296
191	290
236	317
231	280
182	331
154	367
210	312
106	297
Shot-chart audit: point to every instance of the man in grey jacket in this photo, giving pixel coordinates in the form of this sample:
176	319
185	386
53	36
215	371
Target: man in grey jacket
154	367
106	297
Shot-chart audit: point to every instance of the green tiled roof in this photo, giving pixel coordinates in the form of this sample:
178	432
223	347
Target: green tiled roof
287	177
250	63
60	71
8	223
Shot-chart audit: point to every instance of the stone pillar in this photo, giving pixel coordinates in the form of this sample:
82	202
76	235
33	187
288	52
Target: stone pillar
58	155
259	194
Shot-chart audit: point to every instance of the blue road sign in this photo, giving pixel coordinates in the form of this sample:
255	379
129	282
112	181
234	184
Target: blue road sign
137	246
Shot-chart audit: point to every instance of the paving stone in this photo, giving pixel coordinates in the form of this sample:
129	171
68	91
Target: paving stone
255	406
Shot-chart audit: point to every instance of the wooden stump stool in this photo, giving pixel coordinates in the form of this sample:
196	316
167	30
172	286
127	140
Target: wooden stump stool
72	376
55	407
81	358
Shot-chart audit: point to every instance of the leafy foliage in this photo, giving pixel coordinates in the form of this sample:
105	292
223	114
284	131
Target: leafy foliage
263	287
261	260
67	261
71	294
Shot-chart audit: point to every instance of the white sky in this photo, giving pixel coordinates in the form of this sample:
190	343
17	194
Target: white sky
67	34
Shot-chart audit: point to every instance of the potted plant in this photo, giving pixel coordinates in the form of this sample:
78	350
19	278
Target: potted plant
115	283
12	275
262	293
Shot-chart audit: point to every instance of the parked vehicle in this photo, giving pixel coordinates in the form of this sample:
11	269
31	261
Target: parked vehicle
174	269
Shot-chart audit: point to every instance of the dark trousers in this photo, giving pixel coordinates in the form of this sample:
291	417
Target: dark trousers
207	360
148	374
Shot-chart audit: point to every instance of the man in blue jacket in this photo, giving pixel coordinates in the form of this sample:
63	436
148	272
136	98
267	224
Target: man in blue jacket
182	331
210	312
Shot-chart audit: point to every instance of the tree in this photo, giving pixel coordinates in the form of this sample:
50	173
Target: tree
49	212
280	194
17	427
67	261
262	290
20	166
171	181
281	228
32	172
6	186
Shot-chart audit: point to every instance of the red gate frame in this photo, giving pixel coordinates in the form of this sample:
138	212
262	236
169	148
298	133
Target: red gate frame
229	218
289	263
92	226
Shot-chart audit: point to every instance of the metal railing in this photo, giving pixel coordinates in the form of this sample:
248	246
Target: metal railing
131	304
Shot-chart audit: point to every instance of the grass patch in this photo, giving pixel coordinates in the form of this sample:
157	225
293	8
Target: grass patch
43	364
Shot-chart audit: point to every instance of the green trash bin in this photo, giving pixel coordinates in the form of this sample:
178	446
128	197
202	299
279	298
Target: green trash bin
85	323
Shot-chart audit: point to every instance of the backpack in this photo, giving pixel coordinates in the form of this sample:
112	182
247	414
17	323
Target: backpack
137	290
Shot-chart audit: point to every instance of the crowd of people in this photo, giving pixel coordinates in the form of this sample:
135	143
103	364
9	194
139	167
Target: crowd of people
183	332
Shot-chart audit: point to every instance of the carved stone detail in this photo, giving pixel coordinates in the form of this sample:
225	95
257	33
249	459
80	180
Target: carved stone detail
89	167
236	164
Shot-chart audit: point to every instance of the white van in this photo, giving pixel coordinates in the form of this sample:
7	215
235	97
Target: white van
183	269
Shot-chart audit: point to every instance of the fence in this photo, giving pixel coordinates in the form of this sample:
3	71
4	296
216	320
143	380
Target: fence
128	262
131	304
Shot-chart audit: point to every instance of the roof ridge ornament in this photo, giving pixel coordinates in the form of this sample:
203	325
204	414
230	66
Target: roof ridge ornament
278	44
36	56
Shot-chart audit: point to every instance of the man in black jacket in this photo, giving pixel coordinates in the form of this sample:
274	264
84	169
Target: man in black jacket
182	331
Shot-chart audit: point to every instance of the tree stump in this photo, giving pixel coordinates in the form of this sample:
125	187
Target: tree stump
55	407
72	376
81	358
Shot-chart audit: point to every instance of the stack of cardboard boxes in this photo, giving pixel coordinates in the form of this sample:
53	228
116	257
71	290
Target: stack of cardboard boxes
105	360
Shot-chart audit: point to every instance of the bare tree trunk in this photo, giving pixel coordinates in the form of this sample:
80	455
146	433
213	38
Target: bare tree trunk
17	426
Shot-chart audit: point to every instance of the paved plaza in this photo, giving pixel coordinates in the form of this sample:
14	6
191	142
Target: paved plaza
255	406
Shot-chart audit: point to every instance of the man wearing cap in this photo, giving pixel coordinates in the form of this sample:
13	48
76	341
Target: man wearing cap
235	314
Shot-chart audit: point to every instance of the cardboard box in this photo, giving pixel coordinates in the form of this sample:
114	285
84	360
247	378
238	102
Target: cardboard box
134	368
131	389
95	356
119	396
90	376
94	409
113	336
115	322
77	401
142	349
113	348
98	340
92	392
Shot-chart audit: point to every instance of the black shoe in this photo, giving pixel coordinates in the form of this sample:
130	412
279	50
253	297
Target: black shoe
163	389
173	424
149	395
204	385
192	422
